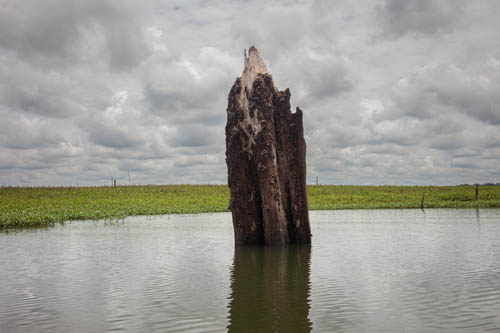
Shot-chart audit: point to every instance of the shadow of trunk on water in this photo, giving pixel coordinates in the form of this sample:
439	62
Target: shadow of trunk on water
270	289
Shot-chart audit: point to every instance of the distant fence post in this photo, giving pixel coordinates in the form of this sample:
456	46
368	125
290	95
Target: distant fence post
422	202
477	192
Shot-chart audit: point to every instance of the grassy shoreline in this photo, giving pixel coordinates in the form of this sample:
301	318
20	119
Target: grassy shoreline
27	206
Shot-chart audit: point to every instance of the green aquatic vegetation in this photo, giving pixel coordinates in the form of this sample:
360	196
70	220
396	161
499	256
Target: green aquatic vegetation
28	206
374	197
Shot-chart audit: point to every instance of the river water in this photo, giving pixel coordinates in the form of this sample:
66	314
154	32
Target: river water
367	270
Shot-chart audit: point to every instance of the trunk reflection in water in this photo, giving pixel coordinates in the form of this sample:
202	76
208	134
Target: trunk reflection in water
270	289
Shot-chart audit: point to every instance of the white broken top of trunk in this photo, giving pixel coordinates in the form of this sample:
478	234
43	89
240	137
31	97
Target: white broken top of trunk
254	65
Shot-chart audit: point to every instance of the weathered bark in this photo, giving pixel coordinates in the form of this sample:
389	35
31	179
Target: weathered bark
265	155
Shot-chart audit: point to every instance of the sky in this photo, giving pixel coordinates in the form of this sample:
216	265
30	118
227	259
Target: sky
393	92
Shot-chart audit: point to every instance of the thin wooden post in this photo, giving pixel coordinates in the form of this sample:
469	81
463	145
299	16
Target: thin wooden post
477	192
422	202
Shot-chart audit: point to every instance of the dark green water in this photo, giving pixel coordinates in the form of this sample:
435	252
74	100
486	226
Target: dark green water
383	270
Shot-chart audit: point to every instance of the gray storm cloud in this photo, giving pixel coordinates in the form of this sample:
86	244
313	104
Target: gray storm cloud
393	92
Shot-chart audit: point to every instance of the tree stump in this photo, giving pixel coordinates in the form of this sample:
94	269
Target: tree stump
266	160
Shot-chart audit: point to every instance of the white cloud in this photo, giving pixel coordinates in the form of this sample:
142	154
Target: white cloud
392	92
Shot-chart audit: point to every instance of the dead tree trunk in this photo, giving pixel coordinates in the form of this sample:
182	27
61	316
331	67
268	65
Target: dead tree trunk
265	156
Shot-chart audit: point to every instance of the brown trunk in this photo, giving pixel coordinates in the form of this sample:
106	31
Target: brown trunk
266	160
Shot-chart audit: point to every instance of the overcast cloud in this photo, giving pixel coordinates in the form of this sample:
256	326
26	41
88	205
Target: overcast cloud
393	92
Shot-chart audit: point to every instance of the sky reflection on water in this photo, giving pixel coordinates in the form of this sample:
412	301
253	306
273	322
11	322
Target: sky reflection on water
437	270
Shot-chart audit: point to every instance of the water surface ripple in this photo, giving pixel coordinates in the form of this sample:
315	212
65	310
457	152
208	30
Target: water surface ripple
367	270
